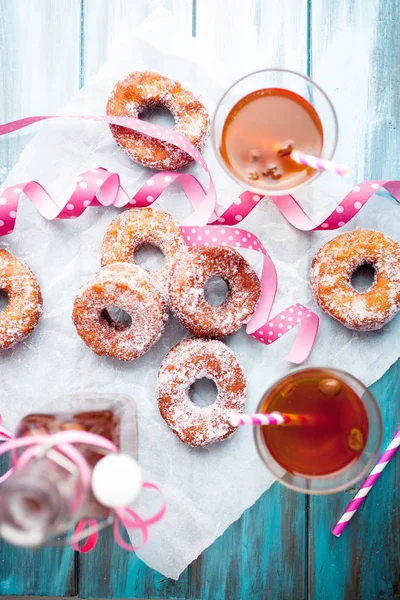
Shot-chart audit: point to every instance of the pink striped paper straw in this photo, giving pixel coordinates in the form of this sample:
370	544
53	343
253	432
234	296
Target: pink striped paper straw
320	164
274	418
367	485
315	162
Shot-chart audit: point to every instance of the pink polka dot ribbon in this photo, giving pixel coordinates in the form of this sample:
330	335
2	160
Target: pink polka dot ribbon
67	443
261	326
5	435
89	184
204	201
343	213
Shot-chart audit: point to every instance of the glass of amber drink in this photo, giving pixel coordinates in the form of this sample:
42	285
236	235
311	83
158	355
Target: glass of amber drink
264	114
337	441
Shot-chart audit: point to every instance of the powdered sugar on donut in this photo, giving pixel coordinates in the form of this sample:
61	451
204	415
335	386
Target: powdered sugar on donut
332	270
189	275
24	307
145	89
128	287
188	361
138	226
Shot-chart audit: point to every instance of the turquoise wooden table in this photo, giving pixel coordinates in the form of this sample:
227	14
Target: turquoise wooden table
281	548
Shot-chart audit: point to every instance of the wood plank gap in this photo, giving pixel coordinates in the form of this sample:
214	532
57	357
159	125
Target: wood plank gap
77	569
81	84
309	38
194	17
307	592
82	47
24	597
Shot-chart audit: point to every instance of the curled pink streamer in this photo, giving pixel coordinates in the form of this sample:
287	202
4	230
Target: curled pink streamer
204	201
88	184
5	435
65	442
265	329
90	542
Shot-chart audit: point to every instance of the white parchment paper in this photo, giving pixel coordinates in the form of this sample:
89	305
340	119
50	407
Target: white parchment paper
206	489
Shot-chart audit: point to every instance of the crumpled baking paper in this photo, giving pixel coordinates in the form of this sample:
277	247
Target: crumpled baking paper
206	489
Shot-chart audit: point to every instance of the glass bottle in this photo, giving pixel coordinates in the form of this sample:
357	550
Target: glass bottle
39	500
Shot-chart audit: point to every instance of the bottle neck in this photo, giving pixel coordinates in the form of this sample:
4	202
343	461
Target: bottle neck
38	501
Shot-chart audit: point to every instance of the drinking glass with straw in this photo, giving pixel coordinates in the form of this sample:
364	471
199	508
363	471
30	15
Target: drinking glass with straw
263	109
274	418
317	430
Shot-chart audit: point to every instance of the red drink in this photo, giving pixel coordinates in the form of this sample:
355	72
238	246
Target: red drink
259	123
339	434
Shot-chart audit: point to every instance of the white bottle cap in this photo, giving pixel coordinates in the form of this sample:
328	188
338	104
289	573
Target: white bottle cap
116	480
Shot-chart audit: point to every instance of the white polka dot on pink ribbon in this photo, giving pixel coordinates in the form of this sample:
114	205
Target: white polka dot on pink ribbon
89	184
261	326
203	202
343	213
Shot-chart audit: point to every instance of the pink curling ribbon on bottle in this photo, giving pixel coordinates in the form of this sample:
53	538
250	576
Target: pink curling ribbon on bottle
65	442
4	436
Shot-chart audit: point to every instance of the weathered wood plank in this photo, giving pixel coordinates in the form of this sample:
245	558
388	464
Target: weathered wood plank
107	24
355	56
120	573
110	571
39	69
39	64
364	562
275	526
27	572
265	550
262	555
256	34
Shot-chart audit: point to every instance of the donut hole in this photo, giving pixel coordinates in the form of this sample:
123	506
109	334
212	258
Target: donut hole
203	392
215	291
363	278
158	115
149	257
3	300
117	317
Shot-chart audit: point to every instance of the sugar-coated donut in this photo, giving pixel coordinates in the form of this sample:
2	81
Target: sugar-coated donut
189	274
193	359
138	226
141	90
332	270
24	308
128	287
